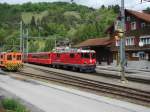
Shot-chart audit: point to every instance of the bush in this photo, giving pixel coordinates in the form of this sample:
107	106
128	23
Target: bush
12	105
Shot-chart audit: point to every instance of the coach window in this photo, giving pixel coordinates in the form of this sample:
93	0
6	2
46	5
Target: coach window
1	56
46	56
18	57
71	55
58	55
14	56
9	57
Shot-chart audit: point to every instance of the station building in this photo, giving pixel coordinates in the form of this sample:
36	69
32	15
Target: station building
137	42
137	39
102	48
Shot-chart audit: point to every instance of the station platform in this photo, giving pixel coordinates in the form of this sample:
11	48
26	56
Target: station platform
101	78
53	98
141	75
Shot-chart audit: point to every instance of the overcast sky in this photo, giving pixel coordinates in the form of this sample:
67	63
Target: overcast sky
131	4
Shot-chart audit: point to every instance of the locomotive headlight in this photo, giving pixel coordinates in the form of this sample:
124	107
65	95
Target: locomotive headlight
90	61
85	62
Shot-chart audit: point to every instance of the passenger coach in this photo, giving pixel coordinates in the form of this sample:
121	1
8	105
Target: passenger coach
43	58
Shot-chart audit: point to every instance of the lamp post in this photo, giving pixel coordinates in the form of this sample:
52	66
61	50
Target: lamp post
122	43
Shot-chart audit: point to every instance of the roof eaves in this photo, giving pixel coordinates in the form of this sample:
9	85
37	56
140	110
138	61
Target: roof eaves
138	15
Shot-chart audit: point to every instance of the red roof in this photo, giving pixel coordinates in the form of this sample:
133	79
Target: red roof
95	42
140	15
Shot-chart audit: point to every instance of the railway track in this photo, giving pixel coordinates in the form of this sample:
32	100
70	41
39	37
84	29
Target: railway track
128	77
124	92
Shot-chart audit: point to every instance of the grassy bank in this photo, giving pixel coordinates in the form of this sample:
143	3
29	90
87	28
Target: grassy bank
11	105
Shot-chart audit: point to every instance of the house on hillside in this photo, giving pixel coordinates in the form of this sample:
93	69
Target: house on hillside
137	39
102	48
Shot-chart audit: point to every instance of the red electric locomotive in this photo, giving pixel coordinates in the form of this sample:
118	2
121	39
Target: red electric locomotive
76	59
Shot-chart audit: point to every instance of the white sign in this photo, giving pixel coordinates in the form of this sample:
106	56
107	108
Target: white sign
141	44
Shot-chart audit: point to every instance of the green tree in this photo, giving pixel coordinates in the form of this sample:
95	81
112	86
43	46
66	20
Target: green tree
49	44
33	46
58	20
147	10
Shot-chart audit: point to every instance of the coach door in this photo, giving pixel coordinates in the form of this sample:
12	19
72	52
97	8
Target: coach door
1	59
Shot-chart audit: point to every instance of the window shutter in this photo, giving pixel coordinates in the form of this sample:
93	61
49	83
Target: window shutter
136	40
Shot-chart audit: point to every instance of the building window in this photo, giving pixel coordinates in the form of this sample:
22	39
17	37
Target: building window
143	25
135	54
145	40
129	41
142	55
128	18
133	26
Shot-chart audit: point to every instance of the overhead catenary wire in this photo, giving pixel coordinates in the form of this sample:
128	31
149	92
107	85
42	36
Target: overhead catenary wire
137	4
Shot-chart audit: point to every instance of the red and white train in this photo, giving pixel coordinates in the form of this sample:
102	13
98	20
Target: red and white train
75	59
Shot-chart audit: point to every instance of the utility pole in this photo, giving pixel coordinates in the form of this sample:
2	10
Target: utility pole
27	35
55	43
20	36
23	42
12	44
122	43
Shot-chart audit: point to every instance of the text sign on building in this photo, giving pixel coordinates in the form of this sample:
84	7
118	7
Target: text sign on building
118	25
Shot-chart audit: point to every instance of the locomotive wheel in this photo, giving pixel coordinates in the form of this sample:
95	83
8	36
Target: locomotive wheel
74	68
53	66
49	66
80	69
57	66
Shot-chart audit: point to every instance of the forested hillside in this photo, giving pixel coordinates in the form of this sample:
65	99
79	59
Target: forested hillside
53	21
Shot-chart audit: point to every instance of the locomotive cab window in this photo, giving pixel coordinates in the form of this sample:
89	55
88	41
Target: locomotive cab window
9	57
93	55
85	55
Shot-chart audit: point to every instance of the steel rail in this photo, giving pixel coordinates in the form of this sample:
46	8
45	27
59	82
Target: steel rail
92	85
78	78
